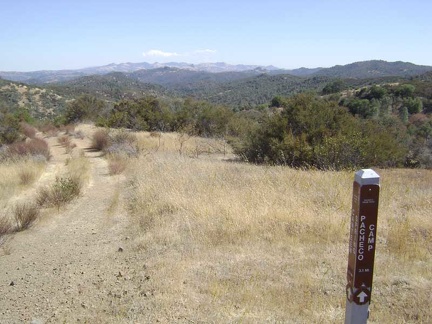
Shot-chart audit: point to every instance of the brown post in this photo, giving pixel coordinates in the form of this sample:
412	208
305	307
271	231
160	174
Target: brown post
362	245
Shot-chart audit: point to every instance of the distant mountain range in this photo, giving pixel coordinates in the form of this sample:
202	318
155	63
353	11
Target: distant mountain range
65	75
366	69
360	70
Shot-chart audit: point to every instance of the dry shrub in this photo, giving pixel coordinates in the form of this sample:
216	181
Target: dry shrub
25	214
27	130
34	147
100	140
43	197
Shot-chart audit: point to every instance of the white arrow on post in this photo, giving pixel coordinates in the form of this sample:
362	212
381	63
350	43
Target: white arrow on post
362	296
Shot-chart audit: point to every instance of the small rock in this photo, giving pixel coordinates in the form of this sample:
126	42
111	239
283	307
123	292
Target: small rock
120	249
36	321
12	283
145	293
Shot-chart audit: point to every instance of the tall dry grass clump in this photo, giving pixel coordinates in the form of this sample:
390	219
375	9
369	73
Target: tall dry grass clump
25	215
235	242
17	174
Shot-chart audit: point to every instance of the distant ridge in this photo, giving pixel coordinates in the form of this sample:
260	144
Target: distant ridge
374	69
358	70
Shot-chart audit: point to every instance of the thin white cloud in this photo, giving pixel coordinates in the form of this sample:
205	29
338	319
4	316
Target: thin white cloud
163	54
159	53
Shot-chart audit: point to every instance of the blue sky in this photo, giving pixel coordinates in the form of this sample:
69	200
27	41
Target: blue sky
68	34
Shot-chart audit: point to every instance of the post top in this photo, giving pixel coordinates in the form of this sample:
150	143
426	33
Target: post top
367	177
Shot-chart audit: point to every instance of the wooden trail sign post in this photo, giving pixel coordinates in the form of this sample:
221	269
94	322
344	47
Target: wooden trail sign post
362	246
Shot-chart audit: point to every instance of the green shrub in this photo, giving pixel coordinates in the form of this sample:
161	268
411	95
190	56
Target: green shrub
312	132
64	190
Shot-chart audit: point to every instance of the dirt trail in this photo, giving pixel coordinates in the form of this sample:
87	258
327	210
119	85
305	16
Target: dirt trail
73	264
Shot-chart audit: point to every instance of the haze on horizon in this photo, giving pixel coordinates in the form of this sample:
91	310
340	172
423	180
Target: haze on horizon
55	35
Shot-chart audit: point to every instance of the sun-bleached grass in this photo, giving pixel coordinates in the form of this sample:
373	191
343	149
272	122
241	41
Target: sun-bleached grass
230	242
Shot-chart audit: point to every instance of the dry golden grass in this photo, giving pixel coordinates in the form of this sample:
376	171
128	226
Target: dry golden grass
78	167
15	175
231	242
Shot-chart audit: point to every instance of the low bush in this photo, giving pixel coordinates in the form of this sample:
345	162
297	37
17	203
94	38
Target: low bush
34	146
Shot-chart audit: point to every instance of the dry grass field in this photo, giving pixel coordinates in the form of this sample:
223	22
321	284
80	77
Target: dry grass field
232	242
